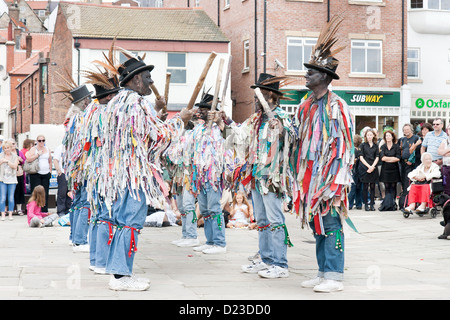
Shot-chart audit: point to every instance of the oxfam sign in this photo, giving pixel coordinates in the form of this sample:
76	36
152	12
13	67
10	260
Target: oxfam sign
431	103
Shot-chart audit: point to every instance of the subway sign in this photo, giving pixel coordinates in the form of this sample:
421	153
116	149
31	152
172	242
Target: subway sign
353	98
422	103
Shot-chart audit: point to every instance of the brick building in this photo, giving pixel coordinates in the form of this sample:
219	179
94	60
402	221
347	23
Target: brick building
175	40
277	36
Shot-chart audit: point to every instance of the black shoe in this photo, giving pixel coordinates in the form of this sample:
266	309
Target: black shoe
358	208
372	208
366	207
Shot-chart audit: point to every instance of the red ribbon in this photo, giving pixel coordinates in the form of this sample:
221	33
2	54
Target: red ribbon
133	247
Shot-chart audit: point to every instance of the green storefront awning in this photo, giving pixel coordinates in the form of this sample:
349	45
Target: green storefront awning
353	98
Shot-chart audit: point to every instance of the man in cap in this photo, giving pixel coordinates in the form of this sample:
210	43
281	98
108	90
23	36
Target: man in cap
322	157
130	176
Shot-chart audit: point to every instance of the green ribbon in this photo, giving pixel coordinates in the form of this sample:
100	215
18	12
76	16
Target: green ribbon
219	220
338	244
287	240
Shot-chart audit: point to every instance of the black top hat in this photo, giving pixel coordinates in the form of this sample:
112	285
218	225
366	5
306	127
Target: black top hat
101	91
265	77
206	101
79	93
328	66
132	67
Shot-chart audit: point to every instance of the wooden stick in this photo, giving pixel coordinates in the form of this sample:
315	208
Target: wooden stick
201	80
216	90
155	91
264	103
225	85
166	91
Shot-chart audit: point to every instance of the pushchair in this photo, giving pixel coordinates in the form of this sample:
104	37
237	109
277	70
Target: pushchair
433	209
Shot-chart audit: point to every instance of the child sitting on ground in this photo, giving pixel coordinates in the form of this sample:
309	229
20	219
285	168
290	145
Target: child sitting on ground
37	218
240	211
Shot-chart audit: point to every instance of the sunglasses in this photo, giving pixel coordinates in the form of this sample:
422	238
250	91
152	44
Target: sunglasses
41	140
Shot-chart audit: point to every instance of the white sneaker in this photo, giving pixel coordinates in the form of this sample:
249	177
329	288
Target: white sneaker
215	250
311	283
81	248
127	283
255	257
175	242
140	279
274	272
188	243
202	247
98	270
329	286
255	267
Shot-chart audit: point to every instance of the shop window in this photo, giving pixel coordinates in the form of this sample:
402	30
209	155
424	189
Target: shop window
298	52
439	4
366	56
176	65
413	63
416	4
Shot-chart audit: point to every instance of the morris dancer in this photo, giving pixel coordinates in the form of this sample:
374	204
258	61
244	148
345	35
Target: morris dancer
130	176
265	134
322	158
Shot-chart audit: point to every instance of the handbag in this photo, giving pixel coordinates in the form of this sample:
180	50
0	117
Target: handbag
31	167
437	186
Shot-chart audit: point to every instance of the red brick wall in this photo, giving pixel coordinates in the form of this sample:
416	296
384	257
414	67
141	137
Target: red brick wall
238	23
27	106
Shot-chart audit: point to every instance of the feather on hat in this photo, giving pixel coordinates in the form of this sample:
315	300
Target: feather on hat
322	57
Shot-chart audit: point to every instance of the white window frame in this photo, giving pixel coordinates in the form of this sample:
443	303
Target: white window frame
427	2
366	46
227	4
414	60
302	44
169	68
246	57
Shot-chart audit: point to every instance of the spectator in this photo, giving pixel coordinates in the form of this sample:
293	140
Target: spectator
42	177
26	146
36	218
8	178
240	211
369	158
63	201
444	151
420	189
19	194
407	143
355	195
390	173
1	142
433	140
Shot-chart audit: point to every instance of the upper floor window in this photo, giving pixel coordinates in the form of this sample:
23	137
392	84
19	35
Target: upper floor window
176	65
366	56
246	55
413	63
298	52
431	4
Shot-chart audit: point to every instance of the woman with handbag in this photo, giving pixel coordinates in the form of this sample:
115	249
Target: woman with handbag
390	155
41	155
8	178
19	194
369	157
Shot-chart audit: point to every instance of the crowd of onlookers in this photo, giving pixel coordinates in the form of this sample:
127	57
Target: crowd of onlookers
400	171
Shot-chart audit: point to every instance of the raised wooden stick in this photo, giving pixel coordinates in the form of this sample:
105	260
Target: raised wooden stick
166	91
201	80
218	83
264	103
225	85
155	91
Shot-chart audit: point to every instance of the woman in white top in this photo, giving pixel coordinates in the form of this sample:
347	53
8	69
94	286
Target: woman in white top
8	178
42	177
444	150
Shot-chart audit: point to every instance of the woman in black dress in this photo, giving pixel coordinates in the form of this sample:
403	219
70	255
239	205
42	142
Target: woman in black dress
369	158
390	155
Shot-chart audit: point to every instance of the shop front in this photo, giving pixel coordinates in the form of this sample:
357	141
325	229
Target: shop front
375	109
426	109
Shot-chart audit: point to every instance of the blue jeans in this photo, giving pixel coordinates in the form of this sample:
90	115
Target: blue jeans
186	205
209	204
329	258
7	192
101	232
129	216
80	218
269	216
355	197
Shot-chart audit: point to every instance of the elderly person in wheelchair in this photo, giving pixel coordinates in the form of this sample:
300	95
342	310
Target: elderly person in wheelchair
420	188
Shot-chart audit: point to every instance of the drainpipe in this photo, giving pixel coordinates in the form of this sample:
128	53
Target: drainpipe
256	41
403	42
265	34
77	47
